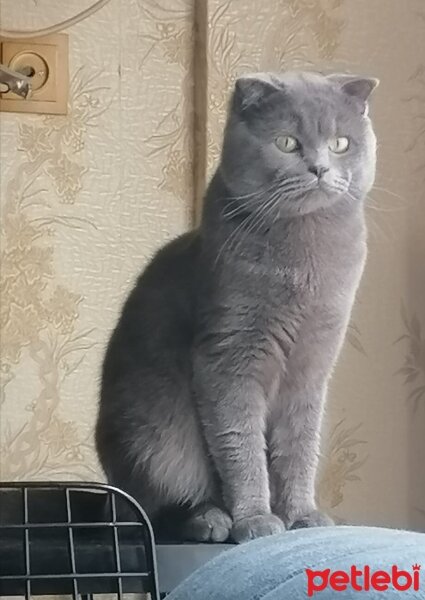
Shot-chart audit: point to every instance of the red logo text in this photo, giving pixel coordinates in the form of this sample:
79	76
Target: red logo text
363	579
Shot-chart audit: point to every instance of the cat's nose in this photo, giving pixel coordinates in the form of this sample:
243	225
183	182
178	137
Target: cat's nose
318	170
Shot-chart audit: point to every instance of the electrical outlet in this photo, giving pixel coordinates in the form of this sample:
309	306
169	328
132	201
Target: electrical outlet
45	61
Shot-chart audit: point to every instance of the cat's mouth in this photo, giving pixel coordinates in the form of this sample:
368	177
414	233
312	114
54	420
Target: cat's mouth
327	186
330	188
334	186
320	195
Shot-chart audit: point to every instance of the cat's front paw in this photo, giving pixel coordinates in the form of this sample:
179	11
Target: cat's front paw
314	518
256	526
208	524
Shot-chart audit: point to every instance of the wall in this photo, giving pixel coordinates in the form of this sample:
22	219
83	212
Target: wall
87	198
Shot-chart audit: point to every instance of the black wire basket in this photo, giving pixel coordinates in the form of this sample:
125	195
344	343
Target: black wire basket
74	539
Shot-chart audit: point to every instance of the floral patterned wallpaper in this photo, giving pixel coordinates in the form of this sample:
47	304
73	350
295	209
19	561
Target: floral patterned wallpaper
87	198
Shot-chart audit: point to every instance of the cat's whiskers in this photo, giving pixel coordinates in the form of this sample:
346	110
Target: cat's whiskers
253	201
373	225
239	209
400	207
266	215
382	189
340	184
378	208
249	220
350	195
260	219
247	199
261	190
257	196
258	191
375	207
233	234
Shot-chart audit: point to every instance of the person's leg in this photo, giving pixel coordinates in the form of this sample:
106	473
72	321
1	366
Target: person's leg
292	564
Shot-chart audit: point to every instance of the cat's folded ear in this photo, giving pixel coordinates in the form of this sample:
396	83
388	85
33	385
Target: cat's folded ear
353	85
252	90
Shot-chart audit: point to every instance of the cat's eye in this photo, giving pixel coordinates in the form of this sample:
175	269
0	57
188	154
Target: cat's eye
287	143
339	145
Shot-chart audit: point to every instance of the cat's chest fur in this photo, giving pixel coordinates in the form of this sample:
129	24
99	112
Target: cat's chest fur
314	260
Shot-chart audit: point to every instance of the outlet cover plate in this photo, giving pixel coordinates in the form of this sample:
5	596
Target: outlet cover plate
47	58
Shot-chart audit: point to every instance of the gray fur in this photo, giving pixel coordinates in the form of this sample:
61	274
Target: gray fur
215	377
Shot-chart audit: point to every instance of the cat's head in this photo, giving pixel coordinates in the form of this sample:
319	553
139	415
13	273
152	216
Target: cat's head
303	138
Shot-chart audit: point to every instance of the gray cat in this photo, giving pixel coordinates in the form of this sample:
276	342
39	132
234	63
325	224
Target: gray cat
215	377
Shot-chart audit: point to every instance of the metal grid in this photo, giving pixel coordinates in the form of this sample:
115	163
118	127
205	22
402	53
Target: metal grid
74	539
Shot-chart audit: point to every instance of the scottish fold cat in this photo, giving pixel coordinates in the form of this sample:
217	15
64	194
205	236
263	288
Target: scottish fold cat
215	377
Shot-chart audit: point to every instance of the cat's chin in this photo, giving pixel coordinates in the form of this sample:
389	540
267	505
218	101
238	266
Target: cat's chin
315	200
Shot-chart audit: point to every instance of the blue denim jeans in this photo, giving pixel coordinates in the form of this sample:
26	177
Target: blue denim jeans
323	563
